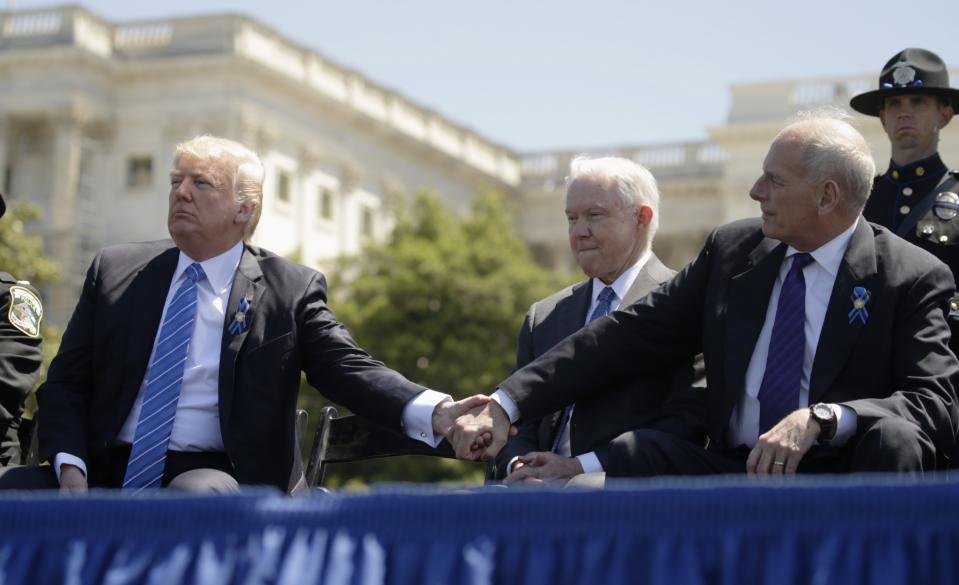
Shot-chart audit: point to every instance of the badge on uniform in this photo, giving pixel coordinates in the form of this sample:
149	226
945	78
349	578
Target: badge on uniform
860	297
26	310
241	319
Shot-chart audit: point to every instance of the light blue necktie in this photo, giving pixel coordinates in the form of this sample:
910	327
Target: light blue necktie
145	468
603	308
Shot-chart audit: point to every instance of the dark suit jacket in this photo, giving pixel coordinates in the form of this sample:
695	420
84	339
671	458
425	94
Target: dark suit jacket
93	381
596	420
896	364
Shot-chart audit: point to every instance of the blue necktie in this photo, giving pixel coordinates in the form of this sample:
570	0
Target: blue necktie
603	308
145	468
779	390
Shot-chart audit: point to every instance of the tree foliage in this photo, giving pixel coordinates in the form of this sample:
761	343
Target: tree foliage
441	302
21	253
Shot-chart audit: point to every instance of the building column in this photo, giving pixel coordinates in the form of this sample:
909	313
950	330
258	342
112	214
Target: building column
65	152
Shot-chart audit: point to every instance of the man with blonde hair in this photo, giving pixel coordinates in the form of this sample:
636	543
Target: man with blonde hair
824	336
181	364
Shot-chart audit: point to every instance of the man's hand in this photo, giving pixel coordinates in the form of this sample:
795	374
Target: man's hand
482	432
780	449
446	413
72	479
539	467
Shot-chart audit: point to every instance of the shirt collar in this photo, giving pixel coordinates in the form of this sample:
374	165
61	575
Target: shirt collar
830	254
930	167
625	281
219	269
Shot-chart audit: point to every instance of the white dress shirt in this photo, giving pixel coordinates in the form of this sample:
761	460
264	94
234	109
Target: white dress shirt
820	276
620	286
197	423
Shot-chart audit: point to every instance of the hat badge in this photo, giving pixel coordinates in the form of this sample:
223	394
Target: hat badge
903	74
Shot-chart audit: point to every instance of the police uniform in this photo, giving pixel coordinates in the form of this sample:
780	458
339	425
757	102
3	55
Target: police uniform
919	196
920	200
20	315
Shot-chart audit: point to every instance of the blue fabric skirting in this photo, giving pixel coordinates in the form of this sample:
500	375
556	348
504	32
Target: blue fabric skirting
721	530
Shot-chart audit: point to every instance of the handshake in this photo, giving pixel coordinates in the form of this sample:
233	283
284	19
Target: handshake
477	427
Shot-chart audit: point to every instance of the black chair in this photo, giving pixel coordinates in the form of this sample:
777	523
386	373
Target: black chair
351	438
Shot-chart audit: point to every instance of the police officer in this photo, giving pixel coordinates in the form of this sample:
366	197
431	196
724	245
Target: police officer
20	314
917	196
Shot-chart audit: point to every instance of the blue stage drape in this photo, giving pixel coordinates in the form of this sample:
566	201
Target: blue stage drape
720	530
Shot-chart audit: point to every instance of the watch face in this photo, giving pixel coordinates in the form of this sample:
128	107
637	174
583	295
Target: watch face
823	412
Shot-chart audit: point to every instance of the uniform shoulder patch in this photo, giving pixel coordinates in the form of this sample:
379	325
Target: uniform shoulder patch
26	310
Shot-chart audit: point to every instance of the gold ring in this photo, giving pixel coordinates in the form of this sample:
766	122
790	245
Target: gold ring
779	463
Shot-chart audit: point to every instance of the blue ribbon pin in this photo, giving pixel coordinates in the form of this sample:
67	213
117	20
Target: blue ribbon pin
240	322
860	297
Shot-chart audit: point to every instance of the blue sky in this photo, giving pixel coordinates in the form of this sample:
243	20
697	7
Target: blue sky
538	74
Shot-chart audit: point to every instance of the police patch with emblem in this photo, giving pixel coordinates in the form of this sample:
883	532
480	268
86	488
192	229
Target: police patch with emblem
26	311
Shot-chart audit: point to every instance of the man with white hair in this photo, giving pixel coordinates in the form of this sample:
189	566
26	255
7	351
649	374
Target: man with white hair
824	336
181	364
612	211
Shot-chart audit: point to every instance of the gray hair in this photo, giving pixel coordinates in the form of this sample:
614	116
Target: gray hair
633	182
243	167
834	150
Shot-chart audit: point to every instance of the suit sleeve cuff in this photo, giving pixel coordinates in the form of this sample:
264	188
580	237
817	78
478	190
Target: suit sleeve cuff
503	399
846	423
418	417
590	462
65	458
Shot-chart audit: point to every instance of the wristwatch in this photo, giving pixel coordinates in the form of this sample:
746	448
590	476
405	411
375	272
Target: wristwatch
826	417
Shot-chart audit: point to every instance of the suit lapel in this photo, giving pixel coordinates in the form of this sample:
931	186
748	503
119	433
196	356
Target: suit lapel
245	285
838	335
150	288
748	299
569	315
651	276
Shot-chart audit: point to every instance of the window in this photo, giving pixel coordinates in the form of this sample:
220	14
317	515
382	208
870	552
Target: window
283	187
325	204
366	222
139	172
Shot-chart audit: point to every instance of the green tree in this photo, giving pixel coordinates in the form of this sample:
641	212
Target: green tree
441	302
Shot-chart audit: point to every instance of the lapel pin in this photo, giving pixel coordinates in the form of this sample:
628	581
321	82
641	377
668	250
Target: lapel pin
860	296
241	319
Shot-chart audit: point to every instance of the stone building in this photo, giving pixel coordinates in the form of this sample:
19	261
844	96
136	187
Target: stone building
91	110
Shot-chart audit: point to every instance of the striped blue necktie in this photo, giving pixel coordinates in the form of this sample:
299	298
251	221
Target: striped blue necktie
603	308
779	390
145	468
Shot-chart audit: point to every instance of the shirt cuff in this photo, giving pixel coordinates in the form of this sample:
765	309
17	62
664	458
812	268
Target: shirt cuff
590	462
846	423
503	399
418	417
66	458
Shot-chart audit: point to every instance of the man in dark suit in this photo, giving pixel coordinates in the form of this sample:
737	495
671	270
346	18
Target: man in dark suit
181	363
824	336
612	210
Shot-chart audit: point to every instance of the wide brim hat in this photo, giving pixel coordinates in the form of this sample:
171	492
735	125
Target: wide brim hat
911	71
